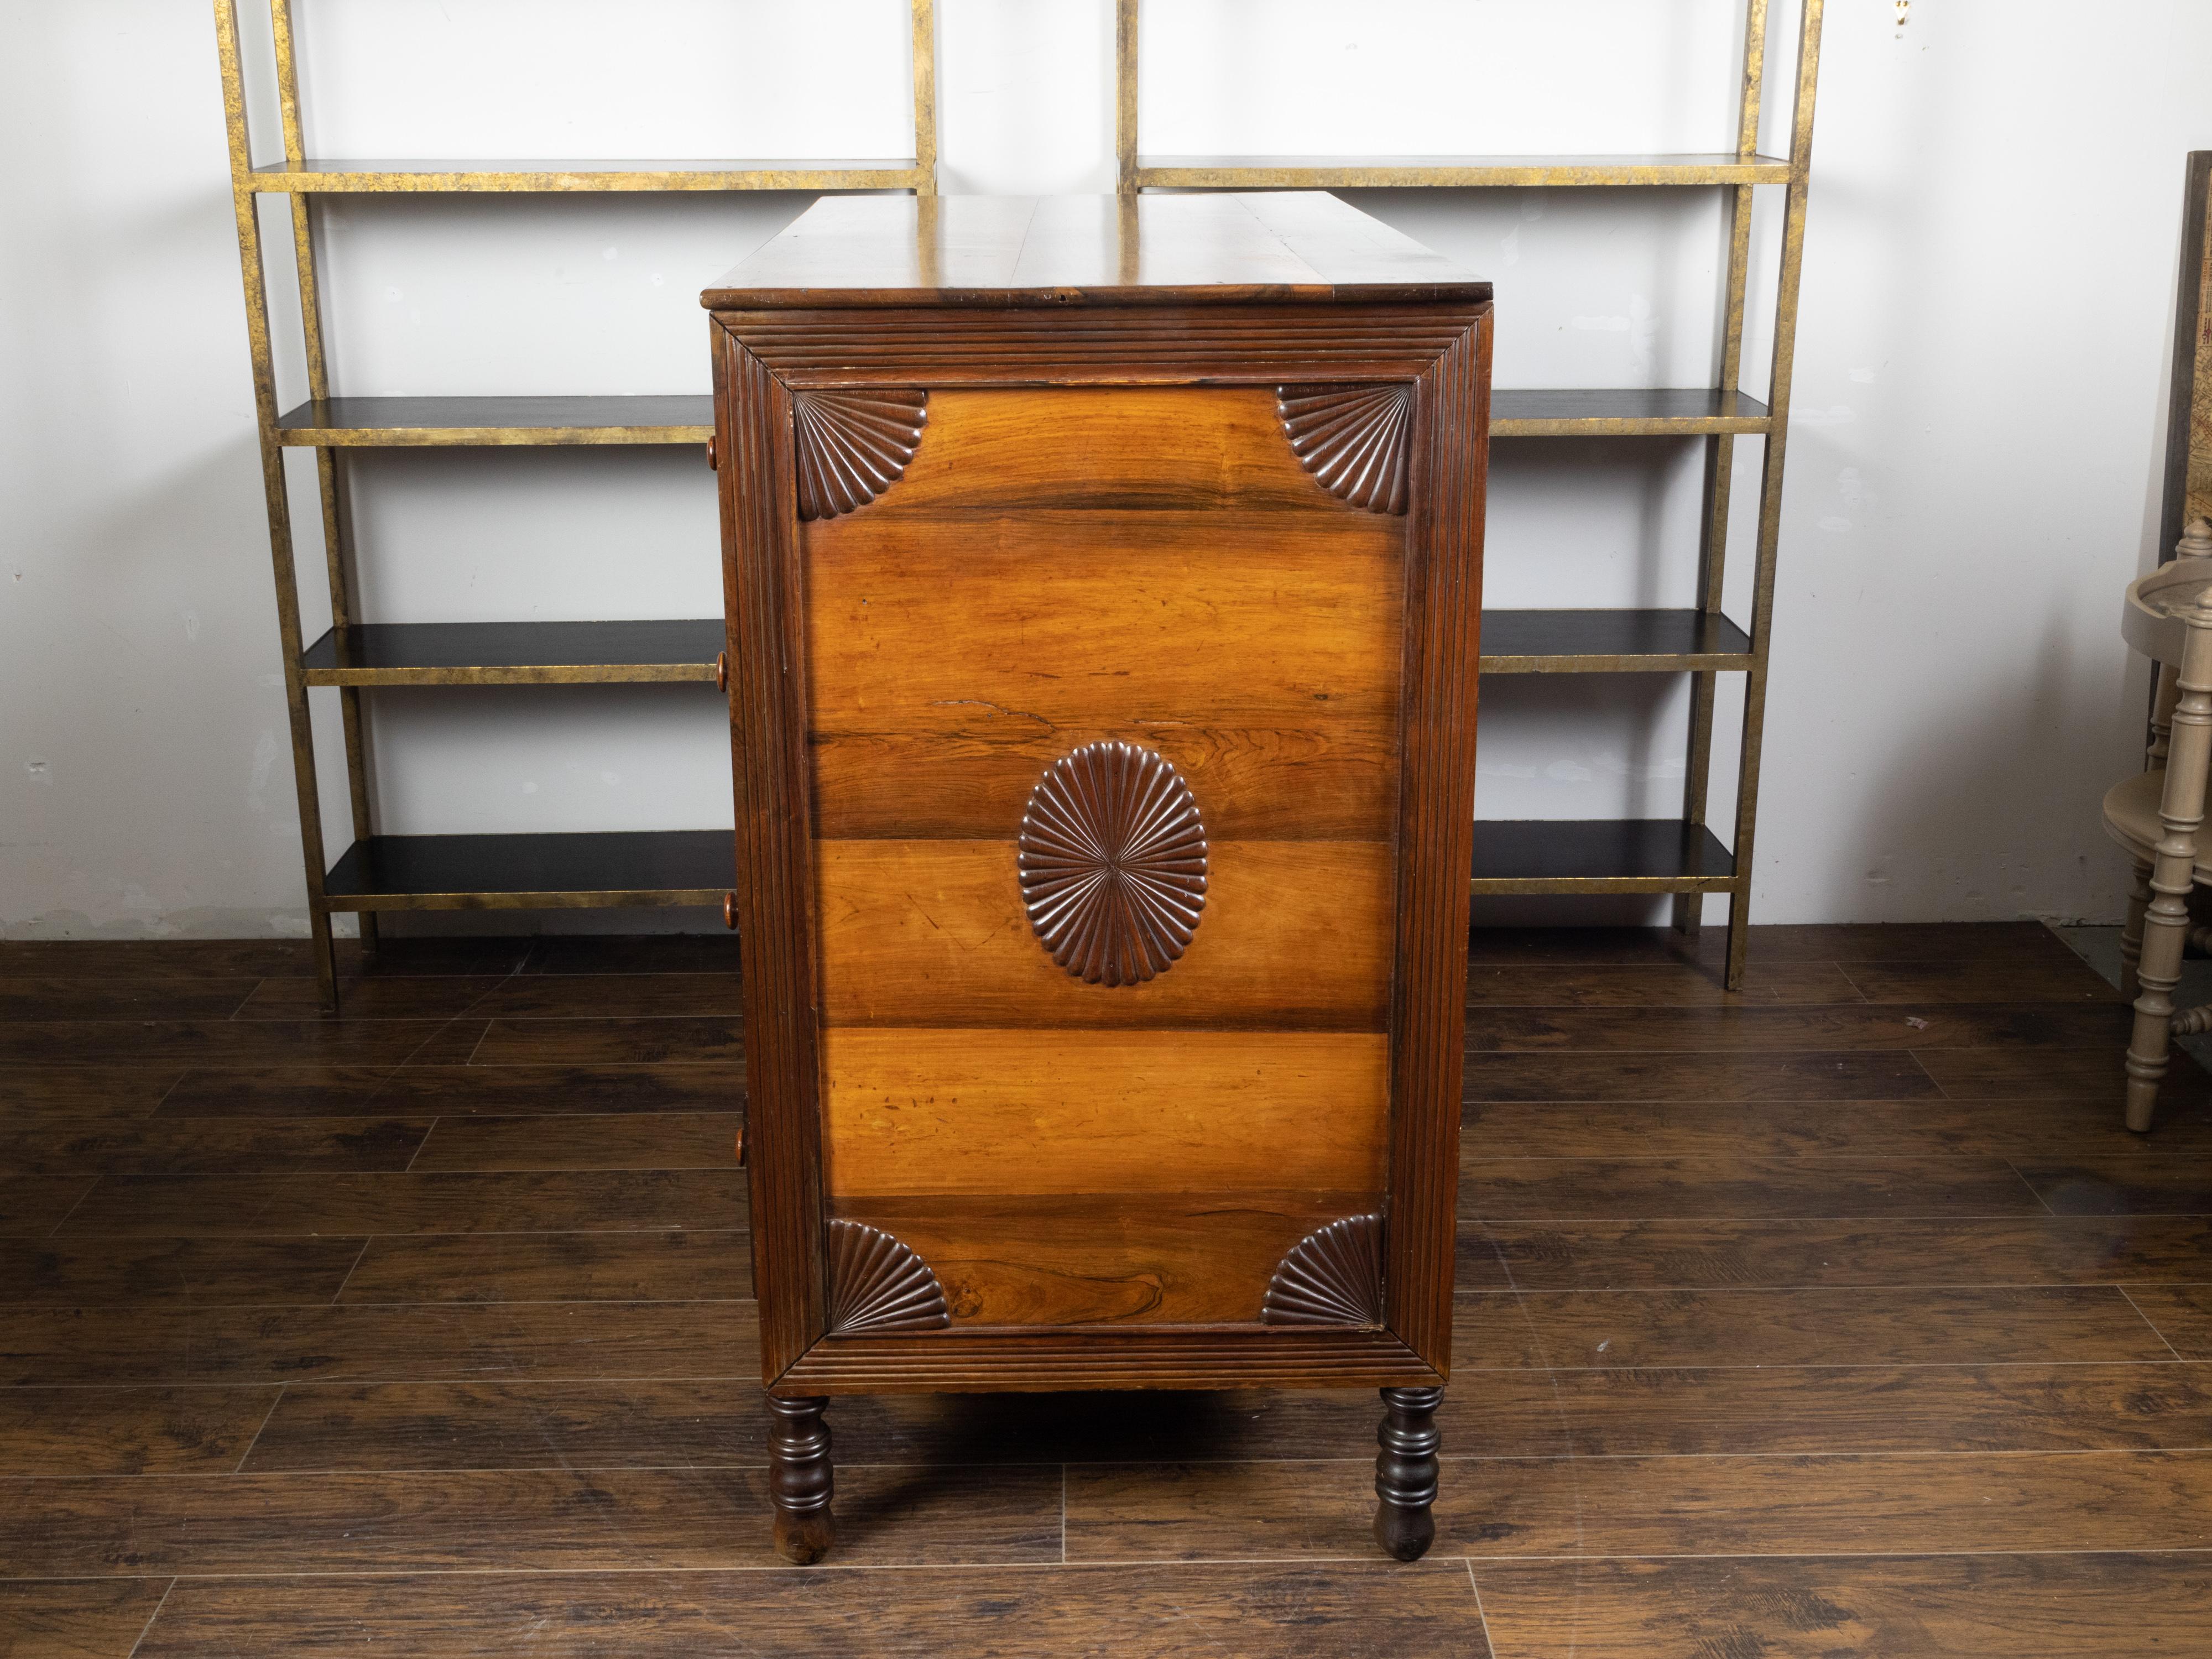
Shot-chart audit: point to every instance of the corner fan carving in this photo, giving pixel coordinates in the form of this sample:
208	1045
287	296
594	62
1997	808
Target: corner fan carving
1113	863
878	1284
1356	441
850	447
1331	1277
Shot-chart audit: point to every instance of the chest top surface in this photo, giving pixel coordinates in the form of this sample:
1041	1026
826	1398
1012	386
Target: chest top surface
1010	251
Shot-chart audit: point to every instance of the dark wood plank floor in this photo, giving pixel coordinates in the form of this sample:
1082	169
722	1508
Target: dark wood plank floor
1837	1318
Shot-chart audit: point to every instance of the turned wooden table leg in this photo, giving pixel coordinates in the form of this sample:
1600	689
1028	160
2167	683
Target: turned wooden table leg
801	1481
1406	1472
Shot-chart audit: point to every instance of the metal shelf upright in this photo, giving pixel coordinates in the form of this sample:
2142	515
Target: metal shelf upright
1678	856
379	872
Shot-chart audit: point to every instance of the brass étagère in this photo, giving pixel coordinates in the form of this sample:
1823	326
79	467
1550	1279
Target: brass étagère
1679	856
515	872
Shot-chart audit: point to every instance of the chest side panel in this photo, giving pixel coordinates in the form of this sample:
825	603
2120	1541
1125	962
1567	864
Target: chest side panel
1058	568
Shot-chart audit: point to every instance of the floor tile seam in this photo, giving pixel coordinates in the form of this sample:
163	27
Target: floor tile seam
1350	1466
2149	1321
262	1427
1382	1567
527	1379
167	1590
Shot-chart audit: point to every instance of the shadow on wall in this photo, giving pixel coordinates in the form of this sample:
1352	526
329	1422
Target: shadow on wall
2016	778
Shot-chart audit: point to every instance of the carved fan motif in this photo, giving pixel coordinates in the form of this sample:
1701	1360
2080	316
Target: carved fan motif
1113	863
877	1283
1333	1277
1356	441
853	446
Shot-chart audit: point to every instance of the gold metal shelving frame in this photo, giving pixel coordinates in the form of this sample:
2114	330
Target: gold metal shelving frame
1680	857
535	871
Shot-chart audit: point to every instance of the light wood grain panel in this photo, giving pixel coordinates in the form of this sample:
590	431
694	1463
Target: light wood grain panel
1060	568
1252	1612
522	1520
78	1619
1673	1506
1106	1258
934	934
1939	1248
1215	449
2056	1606
1043	1112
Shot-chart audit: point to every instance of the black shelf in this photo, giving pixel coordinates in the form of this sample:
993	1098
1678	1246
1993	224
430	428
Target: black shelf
514	654
1611	642
1598	855
533	871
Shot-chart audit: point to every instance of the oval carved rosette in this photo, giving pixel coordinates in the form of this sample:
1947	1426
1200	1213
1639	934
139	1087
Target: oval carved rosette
1113	863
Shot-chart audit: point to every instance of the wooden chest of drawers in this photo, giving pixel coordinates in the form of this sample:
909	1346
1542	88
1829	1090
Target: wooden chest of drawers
1103	584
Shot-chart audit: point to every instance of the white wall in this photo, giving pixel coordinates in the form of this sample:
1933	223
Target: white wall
1981	378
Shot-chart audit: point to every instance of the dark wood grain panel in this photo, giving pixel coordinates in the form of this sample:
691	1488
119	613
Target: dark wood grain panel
1797	1128
2026	1249
32	1205
1823	1075
214	1041
58	1432
57	997
233	1345
278	1092
2119	1606
2120	1183
90	1273
1700	1410
1555	1188
525	1519
667	1140
456	1091
572	1267
633	1041
1676	1506
1672	985
1106	1258
1804	1325
255	958
1260	1611
2030	1073
1774	1409
1294	934
526	1423
2182	1315
2022	942
2037	977
29	1093
1735	1028
1045	1112
574	995
413	996
173	1146
714	952
241	1206
78	1619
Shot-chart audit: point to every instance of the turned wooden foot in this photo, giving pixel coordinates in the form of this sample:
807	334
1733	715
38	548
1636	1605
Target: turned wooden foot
801	1481
1406	1472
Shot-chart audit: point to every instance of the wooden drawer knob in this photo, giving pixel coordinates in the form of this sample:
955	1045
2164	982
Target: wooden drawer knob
721	671
713	461
741	1149
729	911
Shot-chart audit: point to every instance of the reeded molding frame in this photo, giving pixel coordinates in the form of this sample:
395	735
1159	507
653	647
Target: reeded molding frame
1442	348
